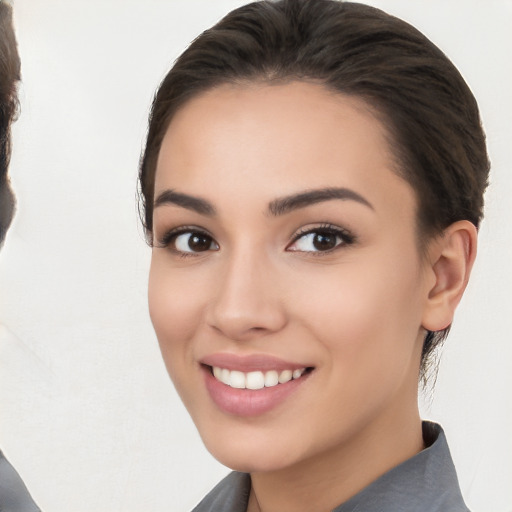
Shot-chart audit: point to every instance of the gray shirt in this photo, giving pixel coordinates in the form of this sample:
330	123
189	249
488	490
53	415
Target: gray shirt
426	482
14	495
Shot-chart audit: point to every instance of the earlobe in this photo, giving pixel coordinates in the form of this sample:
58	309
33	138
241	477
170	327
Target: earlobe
451	258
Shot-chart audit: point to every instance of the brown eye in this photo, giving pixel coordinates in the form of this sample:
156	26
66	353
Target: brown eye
321	240
194	242
324	241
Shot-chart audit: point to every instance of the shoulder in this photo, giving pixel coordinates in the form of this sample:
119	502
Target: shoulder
427	482
14	495
230	495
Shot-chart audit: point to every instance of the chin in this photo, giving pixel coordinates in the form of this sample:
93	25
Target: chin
249	454
250	462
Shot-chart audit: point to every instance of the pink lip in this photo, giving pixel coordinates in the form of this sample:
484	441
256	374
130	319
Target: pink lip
248	402
251	363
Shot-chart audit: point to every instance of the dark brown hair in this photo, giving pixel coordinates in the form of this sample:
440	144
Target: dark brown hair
9	76
429	111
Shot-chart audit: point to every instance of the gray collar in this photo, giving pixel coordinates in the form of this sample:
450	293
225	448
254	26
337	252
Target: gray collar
426	482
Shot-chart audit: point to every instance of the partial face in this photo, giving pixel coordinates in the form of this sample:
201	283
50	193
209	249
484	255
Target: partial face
286	288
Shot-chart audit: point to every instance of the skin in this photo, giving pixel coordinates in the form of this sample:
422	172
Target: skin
356	313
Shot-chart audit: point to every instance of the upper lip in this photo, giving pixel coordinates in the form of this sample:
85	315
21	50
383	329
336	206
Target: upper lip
250	363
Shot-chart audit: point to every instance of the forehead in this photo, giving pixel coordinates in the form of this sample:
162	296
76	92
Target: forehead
275	139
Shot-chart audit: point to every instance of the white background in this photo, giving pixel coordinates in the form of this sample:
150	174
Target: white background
88	414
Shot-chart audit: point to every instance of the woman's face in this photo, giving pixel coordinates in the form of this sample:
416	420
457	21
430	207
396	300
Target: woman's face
285	259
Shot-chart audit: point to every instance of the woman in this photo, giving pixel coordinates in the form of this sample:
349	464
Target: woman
312	187
14	495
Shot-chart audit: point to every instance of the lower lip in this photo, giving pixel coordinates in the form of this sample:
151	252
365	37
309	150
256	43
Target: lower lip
249	402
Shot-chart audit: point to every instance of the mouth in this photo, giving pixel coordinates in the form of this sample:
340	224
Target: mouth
255	380
253	385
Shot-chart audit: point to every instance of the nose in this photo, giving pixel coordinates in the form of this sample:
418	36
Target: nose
246	302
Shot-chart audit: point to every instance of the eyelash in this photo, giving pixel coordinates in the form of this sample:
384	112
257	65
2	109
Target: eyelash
170	236
346	237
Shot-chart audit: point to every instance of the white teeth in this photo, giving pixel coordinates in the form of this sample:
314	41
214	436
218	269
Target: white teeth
254	380
271	379
297	373
257	379
224	376
285	376
237	379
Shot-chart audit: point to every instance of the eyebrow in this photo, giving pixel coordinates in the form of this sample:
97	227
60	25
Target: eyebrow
286	204
196	204
277	207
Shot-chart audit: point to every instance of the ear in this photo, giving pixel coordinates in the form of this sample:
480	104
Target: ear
451	256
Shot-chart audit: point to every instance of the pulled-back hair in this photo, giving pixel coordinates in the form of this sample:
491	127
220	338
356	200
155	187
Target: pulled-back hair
9	76
429	112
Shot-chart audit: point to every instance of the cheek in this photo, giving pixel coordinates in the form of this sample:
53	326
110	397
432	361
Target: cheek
174	308
366	314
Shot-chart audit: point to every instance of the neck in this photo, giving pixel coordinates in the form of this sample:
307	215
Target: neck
327	480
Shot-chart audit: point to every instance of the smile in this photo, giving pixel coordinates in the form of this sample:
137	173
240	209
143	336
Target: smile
256	379
252	385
